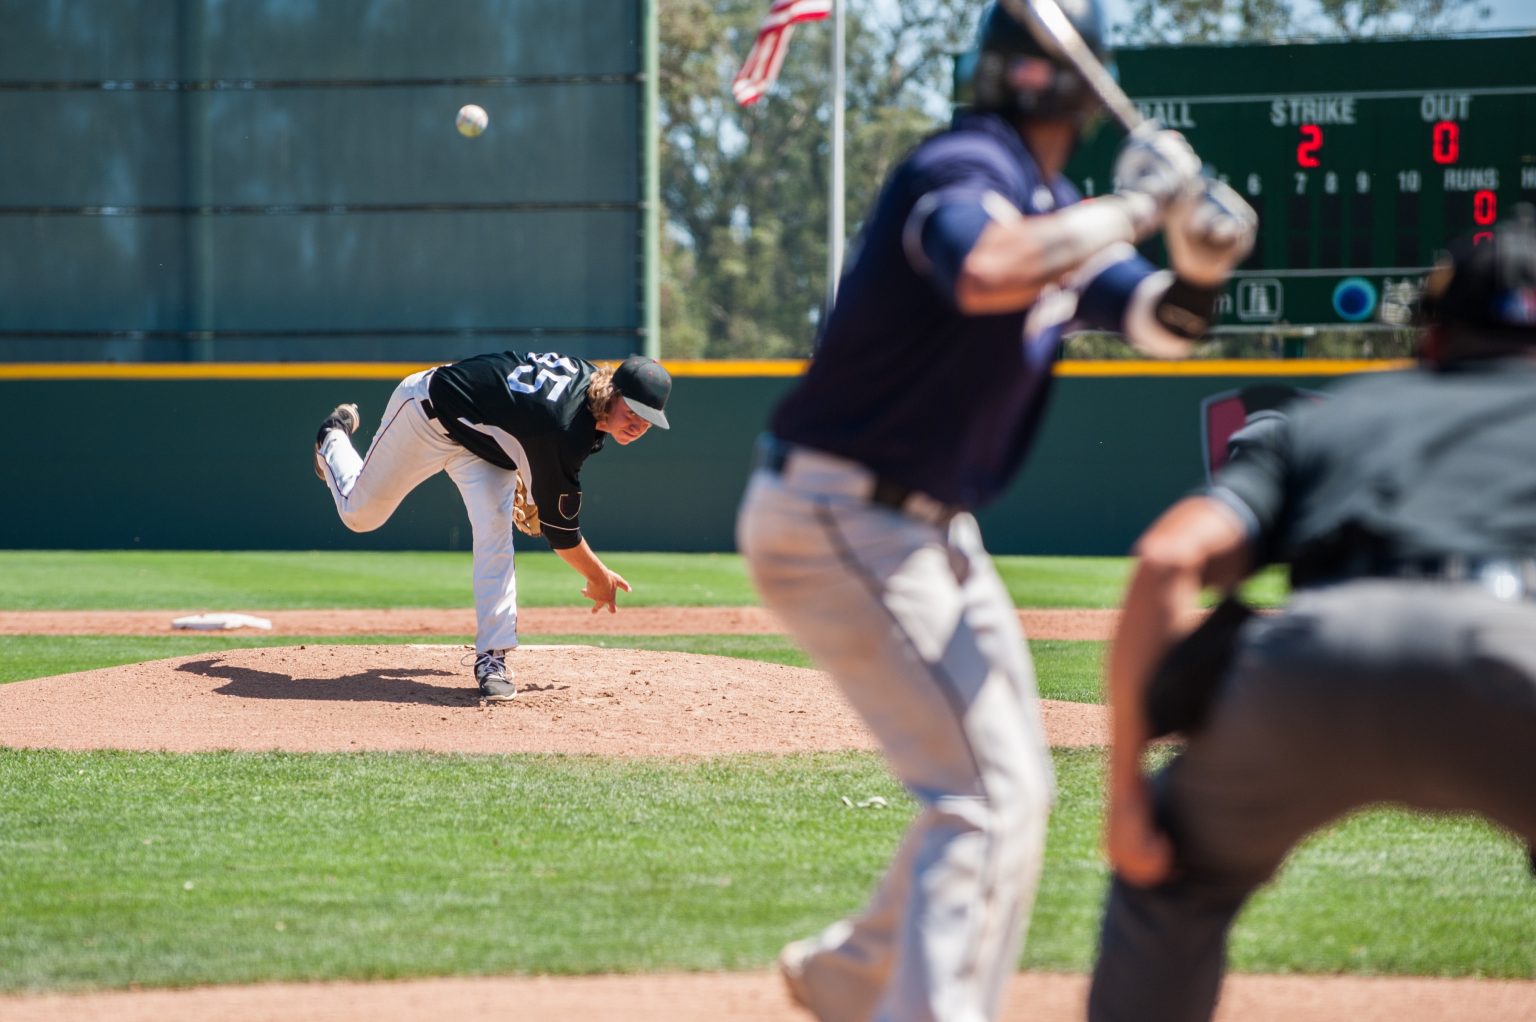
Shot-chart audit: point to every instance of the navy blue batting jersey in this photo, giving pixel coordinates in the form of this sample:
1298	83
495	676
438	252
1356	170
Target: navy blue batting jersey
903	382
529	412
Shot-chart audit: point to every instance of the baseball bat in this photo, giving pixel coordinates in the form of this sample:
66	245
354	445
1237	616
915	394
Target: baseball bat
1055	29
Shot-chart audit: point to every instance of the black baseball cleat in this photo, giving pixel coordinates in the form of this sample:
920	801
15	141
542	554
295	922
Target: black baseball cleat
494	678
342	417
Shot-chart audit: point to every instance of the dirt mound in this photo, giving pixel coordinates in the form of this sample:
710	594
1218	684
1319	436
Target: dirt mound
571	699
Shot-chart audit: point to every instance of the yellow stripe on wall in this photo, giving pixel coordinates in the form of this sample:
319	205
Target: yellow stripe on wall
737	367
677	367
208	370
1232	367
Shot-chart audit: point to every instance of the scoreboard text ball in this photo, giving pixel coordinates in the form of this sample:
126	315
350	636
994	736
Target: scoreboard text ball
1362	159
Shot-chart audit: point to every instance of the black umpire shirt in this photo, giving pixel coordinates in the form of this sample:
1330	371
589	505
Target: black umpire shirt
526	412
1399	468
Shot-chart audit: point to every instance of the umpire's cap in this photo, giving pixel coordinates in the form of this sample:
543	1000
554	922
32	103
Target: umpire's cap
1012	71
645	384
1487	281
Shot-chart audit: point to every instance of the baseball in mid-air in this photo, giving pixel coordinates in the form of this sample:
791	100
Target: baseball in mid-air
472	120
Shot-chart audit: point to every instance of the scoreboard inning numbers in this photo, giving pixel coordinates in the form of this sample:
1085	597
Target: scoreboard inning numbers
1362	159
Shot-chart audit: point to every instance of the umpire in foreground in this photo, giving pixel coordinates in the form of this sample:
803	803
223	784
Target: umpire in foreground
1403	670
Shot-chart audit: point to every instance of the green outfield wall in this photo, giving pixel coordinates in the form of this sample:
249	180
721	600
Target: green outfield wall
137	457
198	180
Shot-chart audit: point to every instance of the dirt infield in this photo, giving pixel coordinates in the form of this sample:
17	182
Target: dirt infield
1038	624
748	997
616	702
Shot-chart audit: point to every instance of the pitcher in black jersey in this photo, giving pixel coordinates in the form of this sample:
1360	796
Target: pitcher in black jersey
488	421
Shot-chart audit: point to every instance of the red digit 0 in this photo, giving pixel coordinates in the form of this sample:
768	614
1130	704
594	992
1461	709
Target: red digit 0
1445	144
1485	207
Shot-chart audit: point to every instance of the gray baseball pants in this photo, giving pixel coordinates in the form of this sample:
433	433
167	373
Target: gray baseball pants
407	449
1416	693
914	624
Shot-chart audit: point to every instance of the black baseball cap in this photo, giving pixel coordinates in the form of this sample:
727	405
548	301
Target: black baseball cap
644	384
1487	280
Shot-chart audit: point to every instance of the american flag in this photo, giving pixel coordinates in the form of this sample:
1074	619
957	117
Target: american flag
757	75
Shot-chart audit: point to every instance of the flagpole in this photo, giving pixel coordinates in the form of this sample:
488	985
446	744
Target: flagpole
835	187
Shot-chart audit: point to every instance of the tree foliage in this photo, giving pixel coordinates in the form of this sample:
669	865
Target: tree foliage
1210	21
744	245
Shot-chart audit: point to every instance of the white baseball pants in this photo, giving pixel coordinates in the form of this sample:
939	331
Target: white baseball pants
915	625
408	448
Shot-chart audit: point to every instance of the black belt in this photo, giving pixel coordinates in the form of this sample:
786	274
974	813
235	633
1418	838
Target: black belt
1508	578
1511	578
442	427
774	454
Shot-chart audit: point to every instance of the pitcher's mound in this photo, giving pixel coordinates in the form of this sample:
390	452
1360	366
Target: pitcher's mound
571	699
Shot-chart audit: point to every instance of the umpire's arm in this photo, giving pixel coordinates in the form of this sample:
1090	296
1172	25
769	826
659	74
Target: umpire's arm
1199	542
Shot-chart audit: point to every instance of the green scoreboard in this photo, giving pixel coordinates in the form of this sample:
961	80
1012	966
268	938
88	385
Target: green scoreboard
1362	159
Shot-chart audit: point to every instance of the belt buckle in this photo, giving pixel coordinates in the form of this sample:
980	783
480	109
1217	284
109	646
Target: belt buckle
913	503
927	509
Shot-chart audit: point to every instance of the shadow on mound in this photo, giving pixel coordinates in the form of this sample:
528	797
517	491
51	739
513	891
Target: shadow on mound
386	685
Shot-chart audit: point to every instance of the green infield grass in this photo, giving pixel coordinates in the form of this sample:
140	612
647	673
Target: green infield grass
255	581
164	870
282	580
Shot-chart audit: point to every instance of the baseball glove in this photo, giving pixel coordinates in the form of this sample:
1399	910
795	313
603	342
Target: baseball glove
525	513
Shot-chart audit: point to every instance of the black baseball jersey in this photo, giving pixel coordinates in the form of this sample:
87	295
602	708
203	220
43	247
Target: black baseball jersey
526	412
906	384
1399	468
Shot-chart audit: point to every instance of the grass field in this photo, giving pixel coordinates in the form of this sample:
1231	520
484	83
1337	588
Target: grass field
157	580
155	869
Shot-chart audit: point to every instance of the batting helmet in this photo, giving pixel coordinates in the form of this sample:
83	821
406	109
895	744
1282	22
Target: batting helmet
1487	282
1013	72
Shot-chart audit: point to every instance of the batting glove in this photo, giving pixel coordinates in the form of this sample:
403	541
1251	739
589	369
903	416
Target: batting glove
1208	233
1154	168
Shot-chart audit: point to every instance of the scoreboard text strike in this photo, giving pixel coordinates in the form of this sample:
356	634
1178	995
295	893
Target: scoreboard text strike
1362	159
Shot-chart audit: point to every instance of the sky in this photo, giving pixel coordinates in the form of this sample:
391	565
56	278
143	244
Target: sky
1511	14
1504	13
